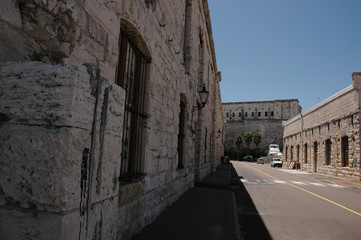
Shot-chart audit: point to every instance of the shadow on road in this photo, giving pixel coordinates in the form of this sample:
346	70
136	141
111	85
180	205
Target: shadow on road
251	223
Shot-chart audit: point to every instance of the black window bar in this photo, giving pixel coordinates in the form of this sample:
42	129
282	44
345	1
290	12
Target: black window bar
131	76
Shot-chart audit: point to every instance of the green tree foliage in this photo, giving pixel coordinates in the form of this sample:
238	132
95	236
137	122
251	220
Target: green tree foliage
257	139
248	158
238	139
248	138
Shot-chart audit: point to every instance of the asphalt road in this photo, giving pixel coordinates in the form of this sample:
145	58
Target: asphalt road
289	204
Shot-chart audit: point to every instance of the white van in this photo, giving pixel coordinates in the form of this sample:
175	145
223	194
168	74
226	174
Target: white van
273	149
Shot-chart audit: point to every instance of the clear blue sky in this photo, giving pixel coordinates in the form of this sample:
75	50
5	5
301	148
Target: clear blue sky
286	49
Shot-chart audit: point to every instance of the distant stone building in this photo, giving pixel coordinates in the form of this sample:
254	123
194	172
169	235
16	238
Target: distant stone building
259	116
326	138
102	122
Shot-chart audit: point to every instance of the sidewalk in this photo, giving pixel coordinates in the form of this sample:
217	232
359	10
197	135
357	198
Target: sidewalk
204	212
336	180
331	179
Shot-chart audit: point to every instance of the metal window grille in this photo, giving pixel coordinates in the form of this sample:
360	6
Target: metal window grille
131	76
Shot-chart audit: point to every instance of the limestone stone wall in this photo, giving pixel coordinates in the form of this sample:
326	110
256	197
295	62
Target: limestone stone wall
261	116
324	125
271	131
162	25
61	32
50	143
277	109
62	120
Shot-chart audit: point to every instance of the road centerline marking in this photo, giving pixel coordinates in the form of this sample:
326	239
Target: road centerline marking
309	192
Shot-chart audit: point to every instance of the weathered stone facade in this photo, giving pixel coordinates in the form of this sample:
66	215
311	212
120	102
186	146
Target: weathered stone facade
260	116
65	170
326	138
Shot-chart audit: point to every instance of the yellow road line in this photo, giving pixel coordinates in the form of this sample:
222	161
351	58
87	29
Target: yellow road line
309	192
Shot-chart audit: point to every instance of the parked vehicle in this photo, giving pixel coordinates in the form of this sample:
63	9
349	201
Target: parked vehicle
273	149
260	161
276	162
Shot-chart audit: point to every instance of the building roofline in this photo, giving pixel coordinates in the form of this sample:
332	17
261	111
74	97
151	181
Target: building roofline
210	33
321	104
267	101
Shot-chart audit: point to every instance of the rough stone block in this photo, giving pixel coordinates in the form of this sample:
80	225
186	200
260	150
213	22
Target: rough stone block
103	220
40	94
104	14
41	167
9	11
20	225
47	135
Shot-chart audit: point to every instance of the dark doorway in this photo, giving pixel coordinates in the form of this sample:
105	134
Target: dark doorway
298	153
328	152
181	133
315	153
344	151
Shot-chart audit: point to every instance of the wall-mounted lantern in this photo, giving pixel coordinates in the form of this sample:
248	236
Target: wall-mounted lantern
218	133
203	95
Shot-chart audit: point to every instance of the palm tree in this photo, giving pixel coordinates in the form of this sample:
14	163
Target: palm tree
238	139
248	137
257	139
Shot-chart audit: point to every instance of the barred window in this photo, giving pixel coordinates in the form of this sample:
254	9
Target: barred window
131	75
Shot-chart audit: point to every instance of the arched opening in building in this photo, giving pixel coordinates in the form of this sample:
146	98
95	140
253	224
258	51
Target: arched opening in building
315	156
132	70
344	151
328	152
305	153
